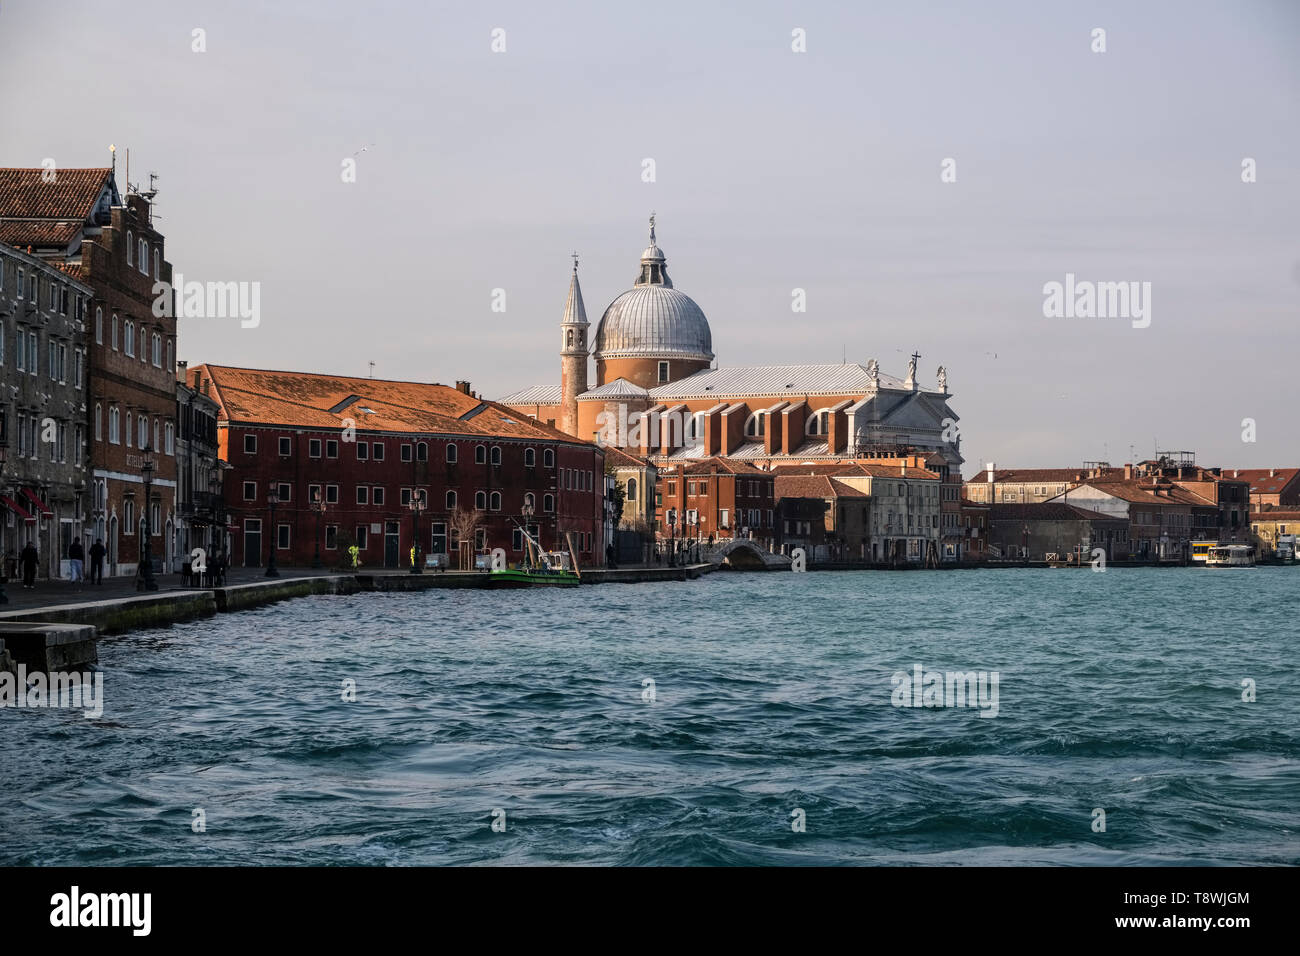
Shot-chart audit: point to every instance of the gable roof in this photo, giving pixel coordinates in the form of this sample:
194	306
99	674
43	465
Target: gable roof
1261	482
785	381
305	399
1045	511
71	196
814	486
535	395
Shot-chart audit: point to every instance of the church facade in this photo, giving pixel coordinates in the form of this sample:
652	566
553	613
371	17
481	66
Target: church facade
660	393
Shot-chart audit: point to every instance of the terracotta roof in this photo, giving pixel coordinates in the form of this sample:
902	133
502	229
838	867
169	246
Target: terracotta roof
850	468
709	466
1141	491
310	400
1046	511
1278	515
621	459
814	486
74	269
1260	481
1043	475
25	194
23	234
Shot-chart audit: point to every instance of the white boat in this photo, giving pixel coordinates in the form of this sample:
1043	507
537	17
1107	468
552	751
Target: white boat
1230	556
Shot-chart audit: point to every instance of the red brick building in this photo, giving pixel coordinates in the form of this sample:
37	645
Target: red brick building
78	220
367	445
714	499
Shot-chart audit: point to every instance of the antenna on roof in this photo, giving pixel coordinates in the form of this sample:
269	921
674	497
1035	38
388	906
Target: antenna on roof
113	149
372	369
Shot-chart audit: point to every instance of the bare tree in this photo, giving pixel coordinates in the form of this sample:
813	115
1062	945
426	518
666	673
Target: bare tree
463	524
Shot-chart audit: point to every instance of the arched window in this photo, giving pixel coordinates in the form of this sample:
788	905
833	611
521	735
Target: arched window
631	489
817	423
569	339
157	434
144	257
144	352
496	454
451	454
130	435
99	325
170	432
130	257
170	356
496	501
128	512
143	424
451	499
755	426
156	341
548	502
114	423
480	454
421	451
128	335
114	331
548	458
99	424
530	457
480	500
157	262
530	500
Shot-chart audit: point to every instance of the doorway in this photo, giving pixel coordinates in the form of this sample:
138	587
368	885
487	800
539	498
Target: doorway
391	544
252	542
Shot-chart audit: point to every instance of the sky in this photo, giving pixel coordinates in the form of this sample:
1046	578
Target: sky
774	170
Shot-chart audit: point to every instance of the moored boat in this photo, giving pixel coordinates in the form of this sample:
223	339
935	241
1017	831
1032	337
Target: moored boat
539	569
1230	556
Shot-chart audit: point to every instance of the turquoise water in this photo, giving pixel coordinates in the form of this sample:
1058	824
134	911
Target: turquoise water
1119	691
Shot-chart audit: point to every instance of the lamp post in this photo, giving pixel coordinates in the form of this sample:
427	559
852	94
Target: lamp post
418	504
215	530
4	457
271	570
147	583
672	537
318	506
527	511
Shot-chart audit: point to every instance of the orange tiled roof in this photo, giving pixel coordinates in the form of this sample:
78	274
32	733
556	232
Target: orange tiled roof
851	468
24	234
1261	483
708	466
814	486
311	400
25	194
621	459
1141	491
1044	475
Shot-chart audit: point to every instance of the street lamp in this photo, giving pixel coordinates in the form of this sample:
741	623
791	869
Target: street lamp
271	570
147	583
672	537
318	506
418	504
215	532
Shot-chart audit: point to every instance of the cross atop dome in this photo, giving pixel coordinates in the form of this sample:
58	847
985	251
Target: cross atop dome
654	269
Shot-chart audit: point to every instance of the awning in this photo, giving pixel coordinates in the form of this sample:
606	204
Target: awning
41	506
16	508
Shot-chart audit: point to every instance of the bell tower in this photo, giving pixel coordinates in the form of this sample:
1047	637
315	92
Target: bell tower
573	354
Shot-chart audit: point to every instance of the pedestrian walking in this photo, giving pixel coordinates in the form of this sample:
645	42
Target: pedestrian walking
97	562
77	561
30	558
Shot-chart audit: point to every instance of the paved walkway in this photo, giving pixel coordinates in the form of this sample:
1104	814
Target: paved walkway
48	593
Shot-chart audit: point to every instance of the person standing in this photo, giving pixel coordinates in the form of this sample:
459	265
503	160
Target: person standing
97	562
29	560
77	560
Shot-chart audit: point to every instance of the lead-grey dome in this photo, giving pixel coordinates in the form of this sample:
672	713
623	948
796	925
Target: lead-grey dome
652	318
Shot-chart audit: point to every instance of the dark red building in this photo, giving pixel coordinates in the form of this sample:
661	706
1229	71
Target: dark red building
364	447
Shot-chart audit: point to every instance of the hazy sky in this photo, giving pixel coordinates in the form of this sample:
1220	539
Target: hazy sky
775	170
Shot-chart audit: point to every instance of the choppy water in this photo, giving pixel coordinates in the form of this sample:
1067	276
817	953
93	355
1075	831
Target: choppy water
1119	691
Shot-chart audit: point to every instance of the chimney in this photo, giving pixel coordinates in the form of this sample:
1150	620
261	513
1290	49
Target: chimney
1128	471
1236	472
181	366
990	467
1272	472
463	387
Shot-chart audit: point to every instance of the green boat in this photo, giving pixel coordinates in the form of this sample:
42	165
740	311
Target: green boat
540	569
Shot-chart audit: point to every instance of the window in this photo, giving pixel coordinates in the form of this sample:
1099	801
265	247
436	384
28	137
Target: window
128	335
144	257
480	454
480	500
157	434
250	444
32	352
130	433
451	500
250	491
331	537
331	448
313	447
548	458
530	458
114	331
22	351
663	371
283	491
404	497
756	426
130	248
331	494
171	356
79	439
496	454
495	501
530	501
377	495
157	262
282	537
724	517
421	451
144	352
406	451
99	424
377	451
363	536
286	446
128	515
157	350
480	539
548	502
76	366
99	326
451	454
113	420
516	540
313	492
363	494
631	489
363	450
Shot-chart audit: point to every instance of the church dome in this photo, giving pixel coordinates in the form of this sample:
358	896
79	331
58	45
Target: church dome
652	319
